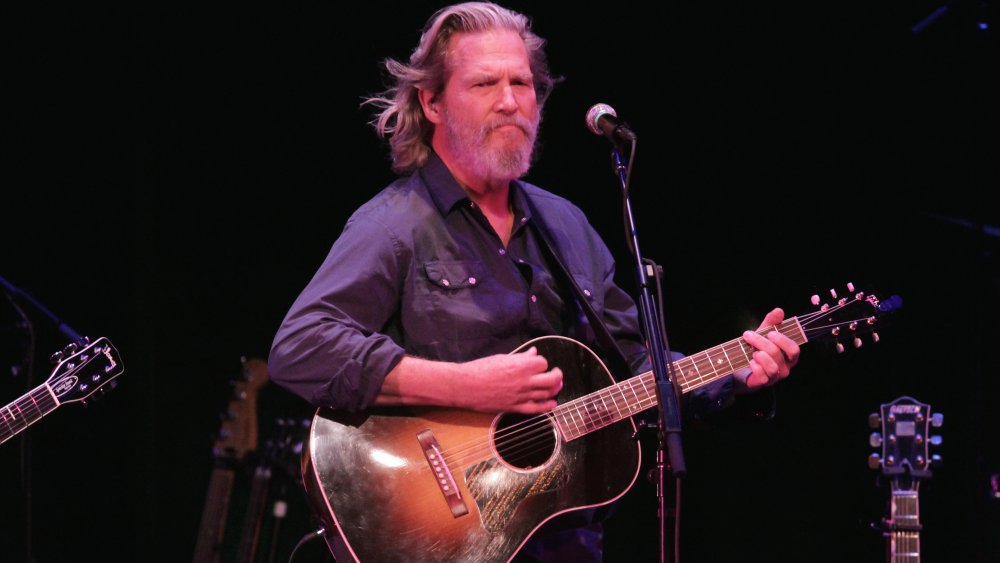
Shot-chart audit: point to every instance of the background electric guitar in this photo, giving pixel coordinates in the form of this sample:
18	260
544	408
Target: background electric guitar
277	466
237	437
83	369
433	484
904	436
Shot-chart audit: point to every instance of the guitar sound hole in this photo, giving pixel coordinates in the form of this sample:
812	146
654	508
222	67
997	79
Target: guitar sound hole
524	442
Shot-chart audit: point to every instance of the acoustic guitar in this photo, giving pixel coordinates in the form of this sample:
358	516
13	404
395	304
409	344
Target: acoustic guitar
434	484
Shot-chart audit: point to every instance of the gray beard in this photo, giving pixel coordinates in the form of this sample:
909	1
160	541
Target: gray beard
484	161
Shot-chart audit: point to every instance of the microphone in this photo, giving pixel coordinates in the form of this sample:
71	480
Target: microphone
603	120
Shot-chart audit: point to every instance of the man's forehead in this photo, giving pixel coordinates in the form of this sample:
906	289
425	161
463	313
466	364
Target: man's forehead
485	49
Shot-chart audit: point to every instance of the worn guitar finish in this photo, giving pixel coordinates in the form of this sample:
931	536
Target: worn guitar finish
436	485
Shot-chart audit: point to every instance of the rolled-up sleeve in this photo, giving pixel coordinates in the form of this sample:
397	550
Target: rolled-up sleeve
330	348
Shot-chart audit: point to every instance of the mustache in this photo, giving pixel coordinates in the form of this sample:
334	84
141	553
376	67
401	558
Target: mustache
522	123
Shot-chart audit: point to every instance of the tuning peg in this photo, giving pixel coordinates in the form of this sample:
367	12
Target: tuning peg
875	440
875	337
937	419
840	348
833	293
850	287
874	461
936	461
814	299
56	357
936	440
874	420
857	342
70	349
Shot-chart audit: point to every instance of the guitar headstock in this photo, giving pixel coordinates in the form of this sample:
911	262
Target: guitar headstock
903	433
83	369
848	317
238	434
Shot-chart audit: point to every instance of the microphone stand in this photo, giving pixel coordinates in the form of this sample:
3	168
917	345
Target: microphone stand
61	326
656	343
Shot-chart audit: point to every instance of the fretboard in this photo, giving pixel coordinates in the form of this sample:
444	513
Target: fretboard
25	411
609	405
904	523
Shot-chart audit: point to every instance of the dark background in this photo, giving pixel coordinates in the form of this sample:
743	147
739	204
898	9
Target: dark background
173	177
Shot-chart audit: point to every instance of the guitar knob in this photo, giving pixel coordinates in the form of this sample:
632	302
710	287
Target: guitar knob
875	440
56	357
937	419
874	420
874	461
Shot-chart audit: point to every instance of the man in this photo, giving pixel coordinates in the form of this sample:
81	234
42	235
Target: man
437	279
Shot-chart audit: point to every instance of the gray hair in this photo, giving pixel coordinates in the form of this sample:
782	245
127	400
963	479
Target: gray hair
400	116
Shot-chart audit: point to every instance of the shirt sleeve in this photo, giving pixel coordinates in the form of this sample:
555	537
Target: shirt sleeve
329	348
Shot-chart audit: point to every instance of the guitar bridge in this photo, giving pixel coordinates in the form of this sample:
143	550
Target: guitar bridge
442	473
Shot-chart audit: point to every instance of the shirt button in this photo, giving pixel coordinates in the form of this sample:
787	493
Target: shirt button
502	251
534	299
445	283
472	281
524	219
586	292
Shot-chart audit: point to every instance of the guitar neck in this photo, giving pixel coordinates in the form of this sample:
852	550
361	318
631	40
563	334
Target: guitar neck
904	526
208	548
27	410
252	520
609	405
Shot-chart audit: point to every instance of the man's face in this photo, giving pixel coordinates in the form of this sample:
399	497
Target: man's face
490	112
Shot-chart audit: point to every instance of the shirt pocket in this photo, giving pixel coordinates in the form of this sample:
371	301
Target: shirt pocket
457	302
455	275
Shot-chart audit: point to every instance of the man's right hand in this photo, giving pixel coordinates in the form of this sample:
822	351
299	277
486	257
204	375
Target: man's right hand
521	383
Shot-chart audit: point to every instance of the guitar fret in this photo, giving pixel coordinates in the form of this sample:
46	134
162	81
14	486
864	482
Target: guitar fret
621	391
731	367
743	348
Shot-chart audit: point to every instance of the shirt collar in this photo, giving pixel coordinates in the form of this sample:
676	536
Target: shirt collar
447	194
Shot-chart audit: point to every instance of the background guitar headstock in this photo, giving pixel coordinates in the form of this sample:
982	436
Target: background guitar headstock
903	434
238	433
83	369
847	318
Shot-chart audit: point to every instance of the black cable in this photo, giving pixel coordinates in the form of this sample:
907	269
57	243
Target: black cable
317	533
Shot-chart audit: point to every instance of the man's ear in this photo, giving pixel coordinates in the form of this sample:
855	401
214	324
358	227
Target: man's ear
429	103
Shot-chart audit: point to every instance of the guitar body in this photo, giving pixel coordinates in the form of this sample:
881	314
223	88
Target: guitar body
370	476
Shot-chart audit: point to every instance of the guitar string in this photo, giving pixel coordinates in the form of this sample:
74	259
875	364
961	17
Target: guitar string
529	431
34	404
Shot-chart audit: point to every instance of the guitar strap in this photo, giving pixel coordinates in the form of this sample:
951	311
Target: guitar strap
613	354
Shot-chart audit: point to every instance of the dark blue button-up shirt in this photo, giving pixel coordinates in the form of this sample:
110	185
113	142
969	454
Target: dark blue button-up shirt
418	270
